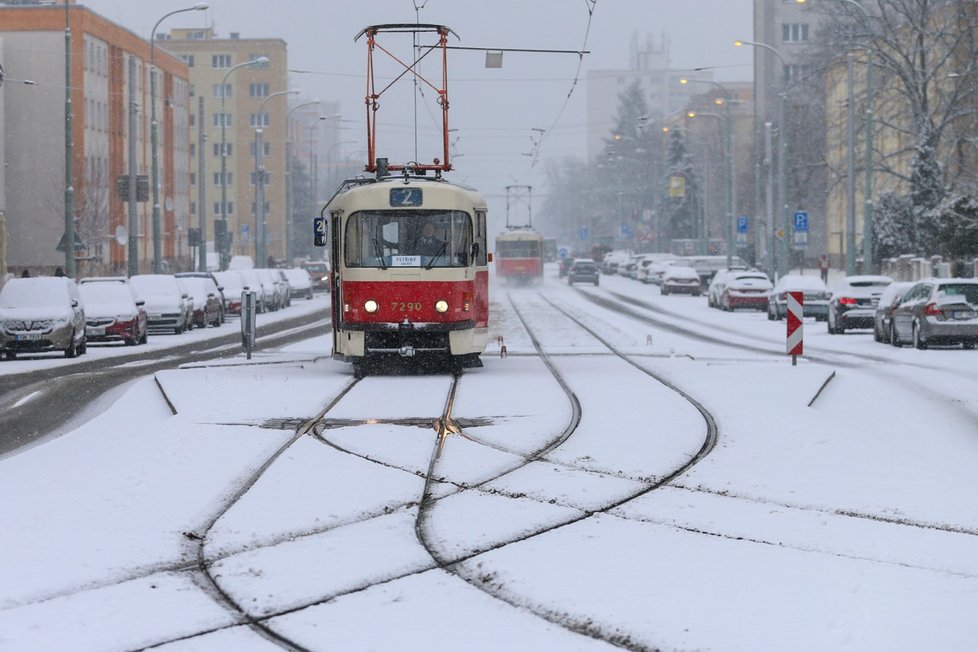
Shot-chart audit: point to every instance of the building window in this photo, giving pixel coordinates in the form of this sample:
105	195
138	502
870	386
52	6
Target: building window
229	176
794	32
220	61
258	89
268	207
193	208
268	178
192	119
188	59
217	208
259	120
222	119
266	148
193	149
193	179
196	36
228	149
252	57
221	90
797	72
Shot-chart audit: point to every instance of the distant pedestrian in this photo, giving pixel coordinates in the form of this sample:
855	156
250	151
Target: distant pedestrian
823	267
58	271
26	273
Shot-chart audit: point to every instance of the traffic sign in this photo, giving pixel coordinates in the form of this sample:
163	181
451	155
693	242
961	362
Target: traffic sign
582	233
741	239
742	223
801	221
563	252
796	312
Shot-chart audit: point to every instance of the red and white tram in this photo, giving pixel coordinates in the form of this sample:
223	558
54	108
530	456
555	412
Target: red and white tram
411	277
519	256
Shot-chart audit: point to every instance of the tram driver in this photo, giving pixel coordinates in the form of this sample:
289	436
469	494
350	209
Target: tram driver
428	243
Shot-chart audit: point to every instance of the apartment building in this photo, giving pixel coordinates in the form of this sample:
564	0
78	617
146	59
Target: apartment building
238	100
32	46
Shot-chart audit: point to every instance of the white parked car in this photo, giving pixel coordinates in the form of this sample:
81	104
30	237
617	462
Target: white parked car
165	301
299	281
816	297
681	279
233	284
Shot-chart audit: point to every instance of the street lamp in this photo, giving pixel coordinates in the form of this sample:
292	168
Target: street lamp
782	263
154	137
728	159
224	147
289	217
260	236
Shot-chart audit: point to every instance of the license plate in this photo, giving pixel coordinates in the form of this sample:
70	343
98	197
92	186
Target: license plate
155	316
95	332
963	314
28	337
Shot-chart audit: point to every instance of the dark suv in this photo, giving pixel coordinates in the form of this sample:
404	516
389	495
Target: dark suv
585	271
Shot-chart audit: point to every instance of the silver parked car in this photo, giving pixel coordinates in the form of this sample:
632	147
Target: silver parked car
166	301
937	311
816	296
41	314
889	300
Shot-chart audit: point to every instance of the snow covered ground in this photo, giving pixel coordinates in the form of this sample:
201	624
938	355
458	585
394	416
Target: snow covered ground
686	488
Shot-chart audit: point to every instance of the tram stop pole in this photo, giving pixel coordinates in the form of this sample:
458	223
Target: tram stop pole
248	321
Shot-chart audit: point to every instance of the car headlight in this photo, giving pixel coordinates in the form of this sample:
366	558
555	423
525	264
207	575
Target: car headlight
370	306
441	306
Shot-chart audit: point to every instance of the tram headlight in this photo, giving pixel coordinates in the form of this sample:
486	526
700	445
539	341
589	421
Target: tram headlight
441	306
370	306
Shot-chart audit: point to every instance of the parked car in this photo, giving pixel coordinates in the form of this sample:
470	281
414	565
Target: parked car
279	274
657	269
188	305
853	304
217	284
583	271
319	273
748	289
889	300
207	304
816	296
112	311
937	311
613	260
233	285
165	304
716	286
263	301
241	262
564	265
682	279
41	314
273	287
707	266
300	282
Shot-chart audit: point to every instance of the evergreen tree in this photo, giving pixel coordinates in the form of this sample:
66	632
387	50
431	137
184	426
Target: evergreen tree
680	211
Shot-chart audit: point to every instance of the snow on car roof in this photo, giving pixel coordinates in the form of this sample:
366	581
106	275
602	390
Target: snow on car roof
801	282
34	292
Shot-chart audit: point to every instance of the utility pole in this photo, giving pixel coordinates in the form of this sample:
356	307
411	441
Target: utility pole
69	152
133	215
202	189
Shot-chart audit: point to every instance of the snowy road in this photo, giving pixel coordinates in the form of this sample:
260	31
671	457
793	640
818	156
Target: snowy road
639	472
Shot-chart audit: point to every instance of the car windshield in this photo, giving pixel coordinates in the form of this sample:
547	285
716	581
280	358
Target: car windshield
423	238
965	291
584	267
116	295
231	281
33	293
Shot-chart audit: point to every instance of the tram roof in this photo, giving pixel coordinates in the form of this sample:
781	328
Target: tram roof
519	234
369	186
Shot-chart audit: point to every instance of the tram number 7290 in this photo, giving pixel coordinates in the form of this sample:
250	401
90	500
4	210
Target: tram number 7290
405	306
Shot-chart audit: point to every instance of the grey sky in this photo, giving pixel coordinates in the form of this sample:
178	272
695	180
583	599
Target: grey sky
495	111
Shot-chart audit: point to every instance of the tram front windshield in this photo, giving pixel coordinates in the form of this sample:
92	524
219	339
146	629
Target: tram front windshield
425	239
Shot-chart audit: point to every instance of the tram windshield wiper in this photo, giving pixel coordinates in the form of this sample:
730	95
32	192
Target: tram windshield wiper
441	252
379	252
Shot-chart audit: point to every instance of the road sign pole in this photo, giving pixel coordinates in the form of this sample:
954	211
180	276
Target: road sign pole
795	335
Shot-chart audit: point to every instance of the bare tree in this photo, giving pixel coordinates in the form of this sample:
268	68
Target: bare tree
92	211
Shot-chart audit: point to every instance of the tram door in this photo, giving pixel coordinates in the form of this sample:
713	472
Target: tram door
335	261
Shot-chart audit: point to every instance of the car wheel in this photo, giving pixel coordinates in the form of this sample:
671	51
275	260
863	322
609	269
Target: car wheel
70	350
894	340
770	314
10	355
918	341
83	347
876	335
968	345
595	282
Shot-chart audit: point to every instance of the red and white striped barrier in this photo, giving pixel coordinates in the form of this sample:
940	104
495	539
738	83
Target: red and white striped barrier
796	311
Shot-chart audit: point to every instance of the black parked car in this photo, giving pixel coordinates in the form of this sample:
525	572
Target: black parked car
582	271
853	304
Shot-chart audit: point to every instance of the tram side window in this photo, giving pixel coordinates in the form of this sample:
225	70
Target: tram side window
518	248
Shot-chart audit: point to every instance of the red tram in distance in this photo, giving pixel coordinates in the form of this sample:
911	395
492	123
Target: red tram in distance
519	256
